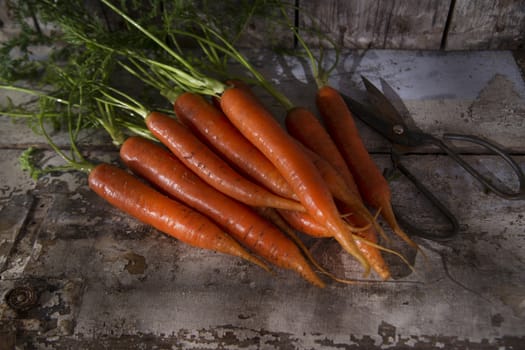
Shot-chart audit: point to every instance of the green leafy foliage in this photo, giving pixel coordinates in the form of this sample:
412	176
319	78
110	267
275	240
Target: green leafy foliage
27	163
16	60
170	46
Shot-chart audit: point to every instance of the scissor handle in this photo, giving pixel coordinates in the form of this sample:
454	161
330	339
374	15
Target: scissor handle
502	192
415	231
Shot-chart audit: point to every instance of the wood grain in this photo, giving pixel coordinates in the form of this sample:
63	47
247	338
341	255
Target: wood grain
487	24
409	24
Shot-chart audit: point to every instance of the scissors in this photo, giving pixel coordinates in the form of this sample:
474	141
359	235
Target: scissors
395	124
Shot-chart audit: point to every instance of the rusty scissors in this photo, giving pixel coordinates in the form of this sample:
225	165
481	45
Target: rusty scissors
385	112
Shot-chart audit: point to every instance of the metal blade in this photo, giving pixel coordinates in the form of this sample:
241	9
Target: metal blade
382	103
397	103
373	119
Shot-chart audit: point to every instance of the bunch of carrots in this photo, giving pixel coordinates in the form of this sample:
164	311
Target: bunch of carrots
224	175
232	168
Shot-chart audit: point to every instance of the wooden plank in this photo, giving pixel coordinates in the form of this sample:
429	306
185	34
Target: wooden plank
142	287
465	293
265	29
399	24
487	24
409	24
8	28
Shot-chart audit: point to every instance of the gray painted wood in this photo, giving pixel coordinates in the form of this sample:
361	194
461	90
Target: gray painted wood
396	24
487	24
412	24
409	24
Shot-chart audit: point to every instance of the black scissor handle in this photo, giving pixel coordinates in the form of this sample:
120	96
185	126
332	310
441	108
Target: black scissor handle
502	192
415	231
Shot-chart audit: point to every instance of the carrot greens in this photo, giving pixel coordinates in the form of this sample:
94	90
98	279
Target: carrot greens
122	66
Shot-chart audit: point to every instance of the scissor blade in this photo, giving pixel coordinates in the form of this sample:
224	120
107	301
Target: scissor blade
373	119
382	103
398	104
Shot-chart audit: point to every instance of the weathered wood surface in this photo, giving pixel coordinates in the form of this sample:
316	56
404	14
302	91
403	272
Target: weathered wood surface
107	281
487	24
378	24
396	24
412	24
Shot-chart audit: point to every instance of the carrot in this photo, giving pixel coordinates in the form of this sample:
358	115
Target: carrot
371	252
257	124
137	199
372	185
273	216
210	167
298	116
352	202
308	130
160	167
238	83
211	124
302	122
339	189
306	224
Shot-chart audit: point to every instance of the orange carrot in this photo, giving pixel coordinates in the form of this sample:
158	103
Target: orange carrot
358	217
306	224
161	168
296	118
273	216
137	199
257	124
210	123
372	253
372	185
339	188
308	130
210	167
317	136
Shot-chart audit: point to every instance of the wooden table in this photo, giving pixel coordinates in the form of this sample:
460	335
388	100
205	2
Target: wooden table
103	280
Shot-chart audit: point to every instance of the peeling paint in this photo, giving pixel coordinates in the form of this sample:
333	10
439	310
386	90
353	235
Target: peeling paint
136	263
